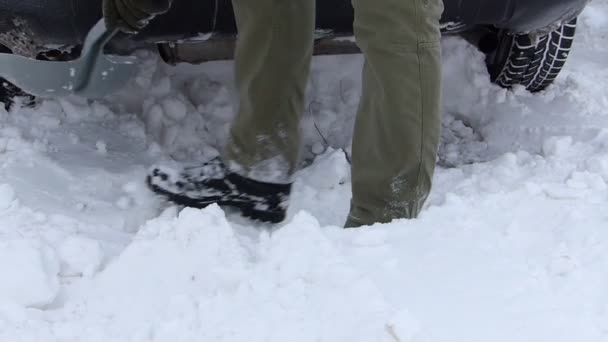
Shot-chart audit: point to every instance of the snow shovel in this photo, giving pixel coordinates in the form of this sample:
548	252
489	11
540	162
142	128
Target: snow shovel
92	75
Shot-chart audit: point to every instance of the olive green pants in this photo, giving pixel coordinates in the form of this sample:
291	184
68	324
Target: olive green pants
398	123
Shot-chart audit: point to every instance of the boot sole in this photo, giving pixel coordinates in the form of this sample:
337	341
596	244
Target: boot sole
247	209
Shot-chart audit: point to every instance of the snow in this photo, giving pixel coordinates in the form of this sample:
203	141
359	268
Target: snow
7	196
28	262
80	256
512	245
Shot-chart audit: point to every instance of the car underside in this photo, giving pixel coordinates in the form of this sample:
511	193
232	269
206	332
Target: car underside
202	30
52	23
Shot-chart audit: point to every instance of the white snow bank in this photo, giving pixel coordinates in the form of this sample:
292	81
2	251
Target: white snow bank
191	278
29	273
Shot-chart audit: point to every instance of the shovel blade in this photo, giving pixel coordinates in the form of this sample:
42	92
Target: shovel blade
59	79
93	75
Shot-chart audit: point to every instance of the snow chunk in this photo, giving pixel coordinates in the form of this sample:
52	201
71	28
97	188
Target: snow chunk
557	146
161	87
154	120
586	180
29	272
598	165
329	170
124	202
49	122
80	256
74	111
174	109
101	147
7	196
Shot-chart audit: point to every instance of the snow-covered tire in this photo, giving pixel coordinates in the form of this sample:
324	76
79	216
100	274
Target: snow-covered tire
533	62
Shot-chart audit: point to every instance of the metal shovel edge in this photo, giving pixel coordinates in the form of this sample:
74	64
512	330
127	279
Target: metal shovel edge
92	75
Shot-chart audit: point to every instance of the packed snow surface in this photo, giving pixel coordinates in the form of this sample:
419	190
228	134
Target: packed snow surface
512	246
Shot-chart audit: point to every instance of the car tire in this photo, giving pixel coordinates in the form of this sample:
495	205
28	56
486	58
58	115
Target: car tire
533	62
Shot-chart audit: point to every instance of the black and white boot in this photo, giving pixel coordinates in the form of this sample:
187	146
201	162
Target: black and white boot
10	92
211	182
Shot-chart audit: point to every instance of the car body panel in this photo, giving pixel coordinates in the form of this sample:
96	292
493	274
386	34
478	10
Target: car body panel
540	16
517	16
67	21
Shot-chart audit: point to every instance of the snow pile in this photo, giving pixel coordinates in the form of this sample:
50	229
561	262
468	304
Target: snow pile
30	273
207	285
511	247
191	276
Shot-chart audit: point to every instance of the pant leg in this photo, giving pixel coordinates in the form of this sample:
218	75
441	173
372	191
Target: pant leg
398	123
272	63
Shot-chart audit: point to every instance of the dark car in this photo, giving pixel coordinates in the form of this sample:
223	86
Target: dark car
526	41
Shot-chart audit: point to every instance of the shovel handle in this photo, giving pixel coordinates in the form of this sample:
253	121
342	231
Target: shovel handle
92	50
97	38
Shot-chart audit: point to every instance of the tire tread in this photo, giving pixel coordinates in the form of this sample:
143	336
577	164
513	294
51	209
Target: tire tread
537	64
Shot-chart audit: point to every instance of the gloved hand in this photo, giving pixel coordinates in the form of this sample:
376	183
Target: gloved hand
130	16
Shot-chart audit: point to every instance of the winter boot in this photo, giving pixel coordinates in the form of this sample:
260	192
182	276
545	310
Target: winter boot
211	183
10	92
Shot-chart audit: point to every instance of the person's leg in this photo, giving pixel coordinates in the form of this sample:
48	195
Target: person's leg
398	124
272	63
